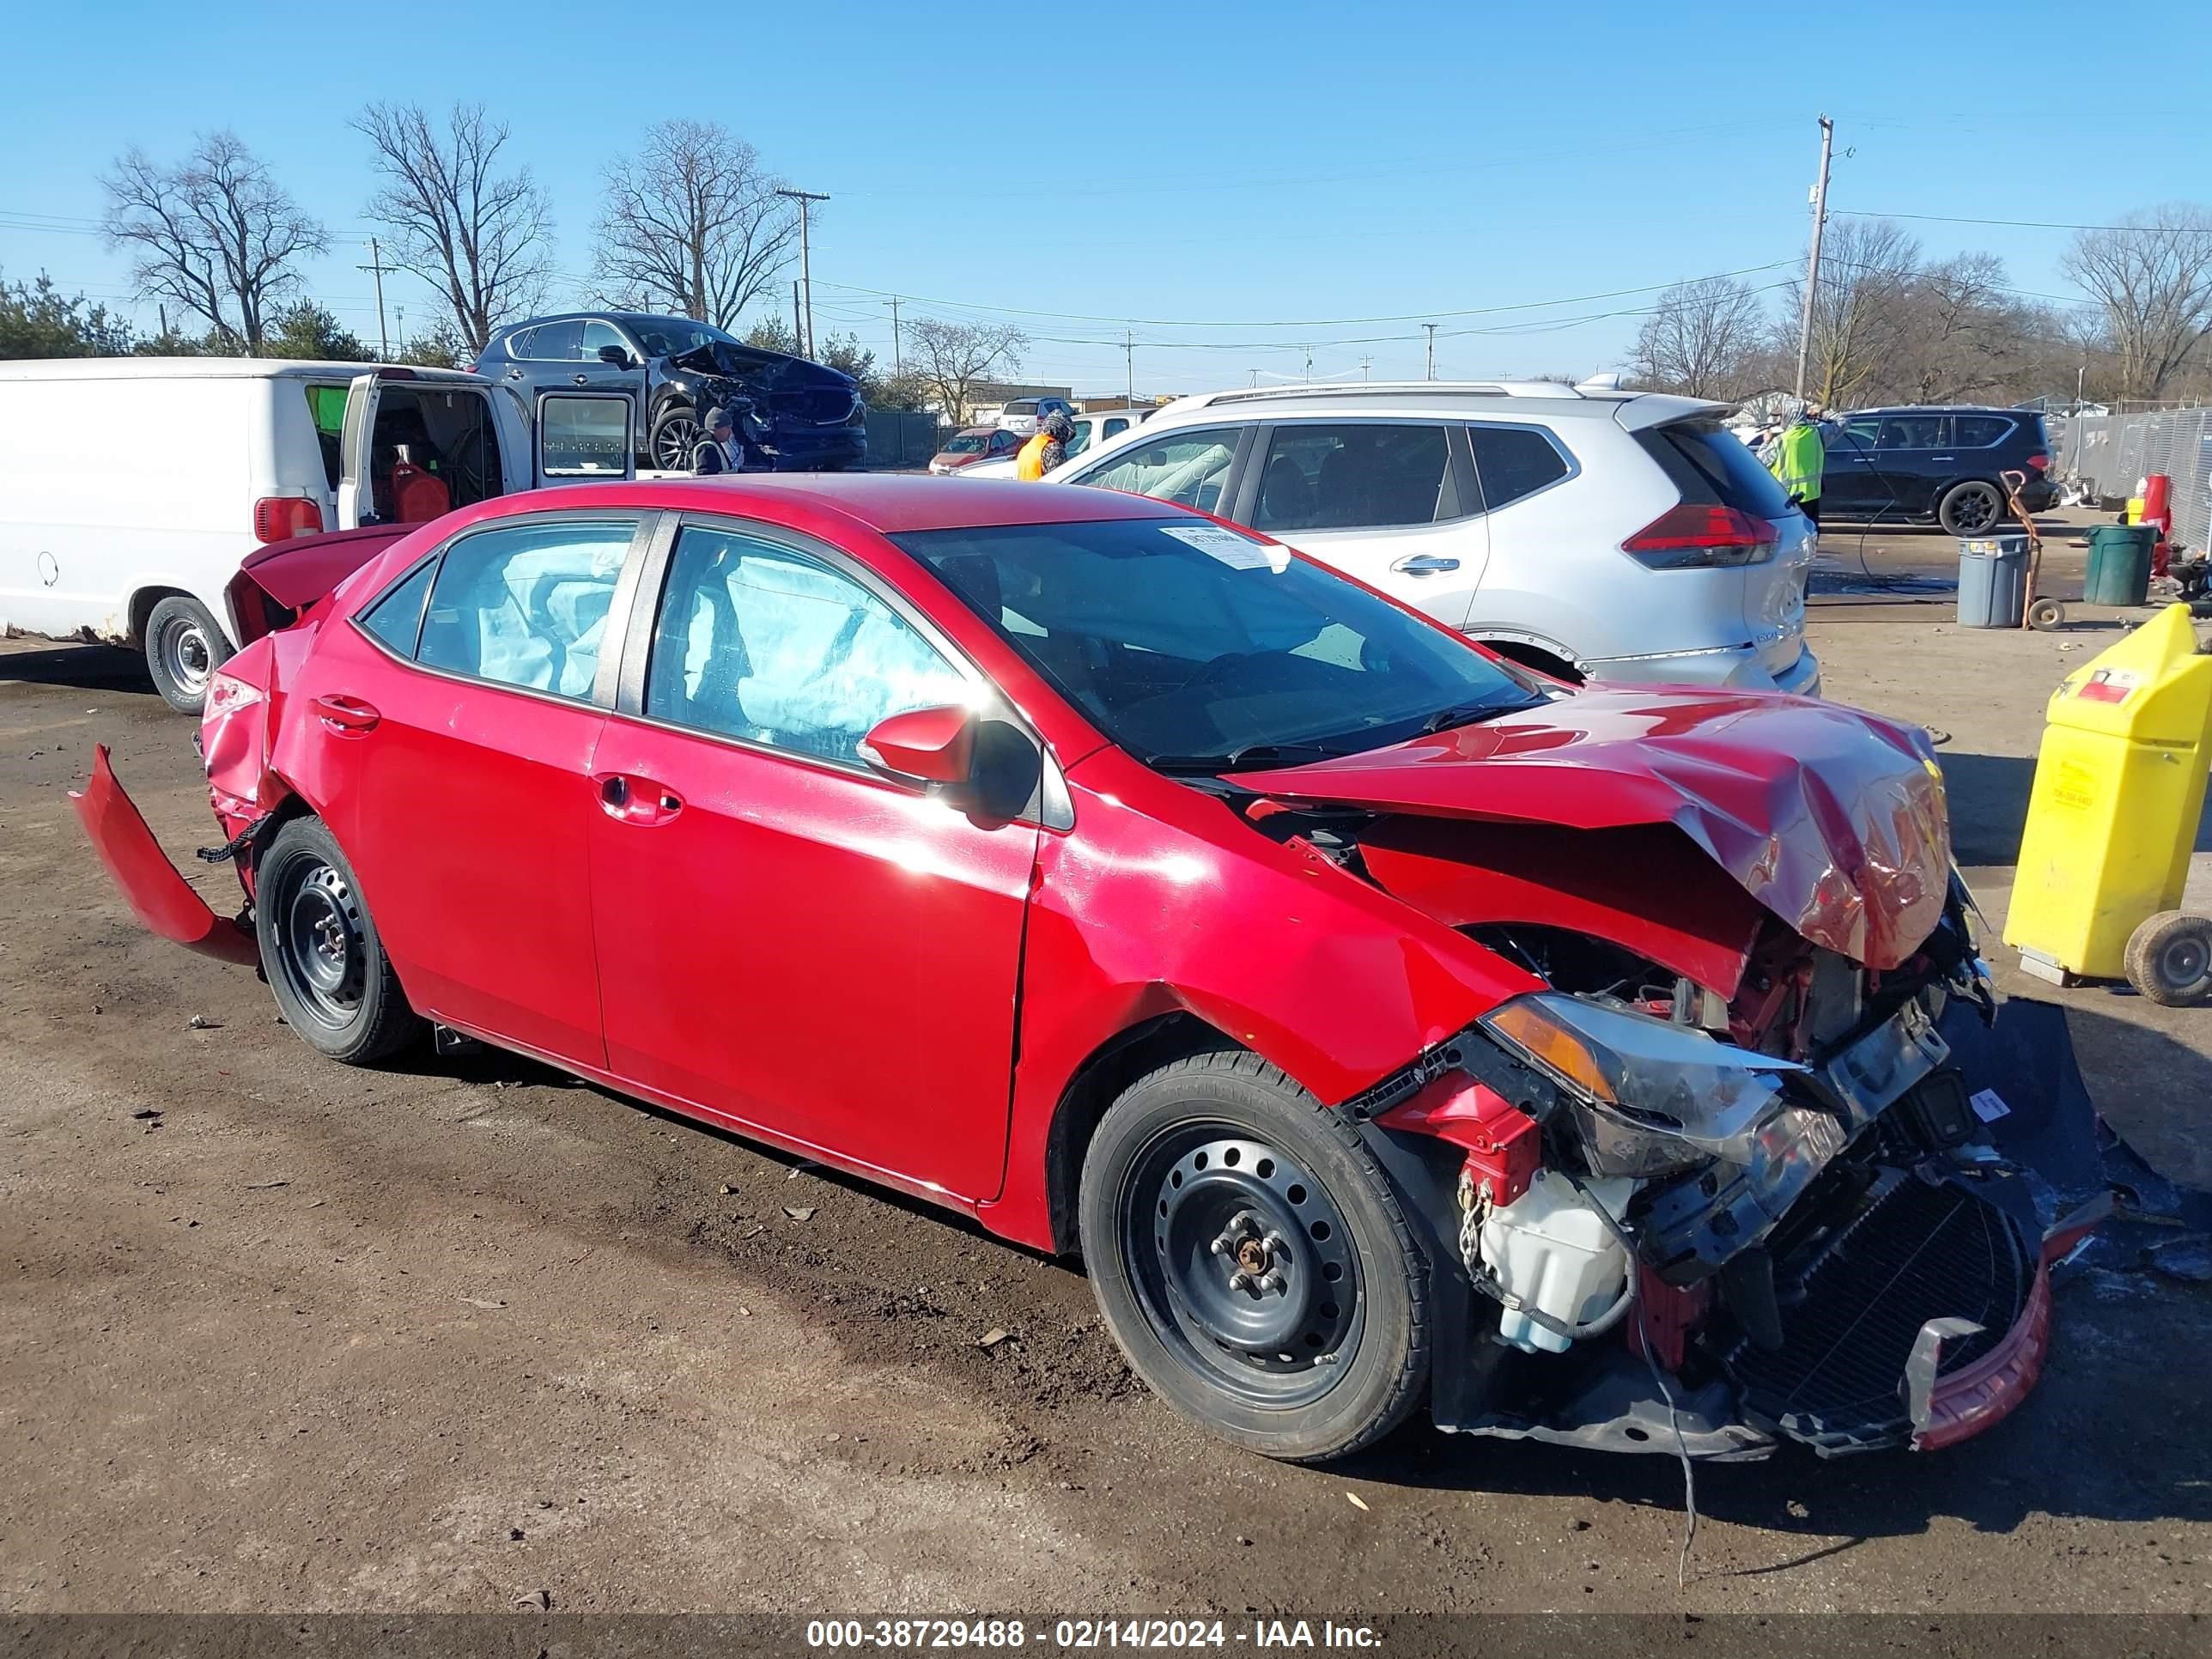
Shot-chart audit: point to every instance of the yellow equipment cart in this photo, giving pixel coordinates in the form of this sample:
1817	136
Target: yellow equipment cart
2119	789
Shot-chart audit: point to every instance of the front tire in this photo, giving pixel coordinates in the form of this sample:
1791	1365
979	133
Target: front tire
1251	1259
183	647
675	435
320	952
1971	508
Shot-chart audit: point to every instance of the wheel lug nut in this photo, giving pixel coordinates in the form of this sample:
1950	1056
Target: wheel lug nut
1240	1280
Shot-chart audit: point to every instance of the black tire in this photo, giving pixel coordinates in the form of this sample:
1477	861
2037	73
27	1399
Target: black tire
675	435
1971	508
319	950
2169	959
1316	1364
183	647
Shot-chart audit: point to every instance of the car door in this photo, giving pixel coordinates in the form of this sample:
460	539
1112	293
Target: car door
583	437
1382	501
1849	480
788	939
457	717
1911	453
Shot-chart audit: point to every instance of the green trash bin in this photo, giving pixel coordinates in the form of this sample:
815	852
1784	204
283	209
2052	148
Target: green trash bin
2119	564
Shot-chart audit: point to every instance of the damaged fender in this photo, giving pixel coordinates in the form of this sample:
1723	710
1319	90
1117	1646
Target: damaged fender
157	894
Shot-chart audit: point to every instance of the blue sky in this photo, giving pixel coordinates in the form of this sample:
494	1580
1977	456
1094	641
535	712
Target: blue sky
1222	165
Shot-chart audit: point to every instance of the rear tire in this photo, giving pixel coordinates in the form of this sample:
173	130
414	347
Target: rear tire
320	952
183	647
1250	1257
1971	508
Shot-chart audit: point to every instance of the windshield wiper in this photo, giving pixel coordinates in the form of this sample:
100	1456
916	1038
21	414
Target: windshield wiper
1290	754
1467	713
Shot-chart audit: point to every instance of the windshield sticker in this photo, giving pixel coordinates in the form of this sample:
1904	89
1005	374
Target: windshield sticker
1232	549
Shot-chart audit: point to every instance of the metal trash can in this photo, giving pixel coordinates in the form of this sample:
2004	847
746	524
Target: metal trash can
2119	564
1992	581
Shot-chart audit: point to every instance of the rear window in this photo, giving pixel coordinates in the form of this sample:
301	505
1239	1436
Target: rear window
1513	461
1711	466
326	404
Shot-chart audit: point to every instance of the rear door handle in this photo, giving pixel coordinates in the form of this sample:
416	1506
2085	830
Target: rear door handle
629	799
1426	564
350	716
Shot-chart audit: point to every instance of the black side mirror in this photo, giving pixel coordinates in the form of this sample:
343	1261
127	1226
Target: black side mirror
615	355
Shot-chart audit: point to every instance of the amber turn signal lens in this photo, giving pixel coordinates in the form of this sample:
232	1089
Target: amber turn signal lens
1526	1025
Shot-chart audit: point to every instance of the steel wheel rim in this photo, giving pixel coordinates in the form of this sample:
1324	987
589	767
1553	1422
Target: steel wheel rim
678	434
1242	1265
2184	961
186	654
1976	508
320	948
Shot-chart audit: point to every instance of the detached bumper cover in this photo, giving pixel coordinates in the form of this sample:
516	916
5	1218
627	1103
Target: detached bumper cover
160	897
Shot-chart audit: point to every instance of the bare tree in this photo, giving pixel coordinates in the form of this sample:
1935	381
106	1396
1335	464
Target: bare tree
216	234
950	358
482	238
1701	338
1867	268
694	222
2154	279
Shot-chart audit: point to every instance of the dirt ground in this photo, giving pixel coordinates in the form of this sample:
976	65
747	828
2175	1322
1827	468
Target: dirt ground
275	1335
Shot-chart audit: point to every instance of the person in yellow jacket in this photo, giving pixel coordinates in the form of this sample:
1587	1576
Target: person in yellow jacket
1801	455
1046	450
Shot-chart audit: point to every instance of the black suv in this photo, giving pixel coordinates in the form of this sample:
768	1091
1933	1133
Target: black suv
794	415
1940	463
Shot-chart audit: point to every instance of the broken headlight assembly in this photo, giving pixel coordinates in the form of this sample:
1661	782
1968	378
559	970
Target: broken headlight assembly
1649	1098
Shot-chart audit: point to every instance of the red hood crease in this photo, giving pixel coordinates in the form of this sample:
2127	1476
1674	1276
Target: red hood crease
1833	819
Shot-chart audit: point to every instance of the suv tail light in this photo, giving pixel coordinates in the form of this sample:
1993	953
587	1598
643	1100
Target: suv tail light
280	518
2039	462
1687	537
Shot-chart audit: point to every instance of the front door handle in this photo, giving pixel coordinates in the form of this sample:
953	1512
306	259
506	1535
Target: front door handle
581	380
629	799
1426	564
348	716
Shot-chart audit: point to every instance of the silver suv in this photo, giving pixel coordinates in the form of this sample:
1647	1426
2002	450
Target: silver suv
1608	535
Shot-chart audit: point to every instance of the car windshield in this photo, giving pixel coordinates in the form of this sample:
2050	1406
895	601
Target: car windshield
671	337
968	443
1199	648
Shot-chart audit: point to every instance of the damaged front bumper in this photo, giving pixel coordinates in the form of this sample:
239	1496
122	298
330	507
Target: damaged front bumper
1888	1294
157	894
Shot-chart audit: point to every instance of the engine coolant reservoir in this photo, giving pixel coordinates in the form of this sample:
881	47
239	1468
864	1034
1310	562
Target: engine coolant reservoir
1553	1250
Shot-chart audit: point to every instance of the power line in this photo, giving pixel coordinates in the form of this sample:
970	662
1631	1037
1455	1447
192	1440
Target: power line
2026	224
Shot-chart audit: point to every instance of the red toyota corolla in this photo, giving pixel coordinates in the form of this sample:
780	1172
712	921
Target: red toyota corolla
1381	1022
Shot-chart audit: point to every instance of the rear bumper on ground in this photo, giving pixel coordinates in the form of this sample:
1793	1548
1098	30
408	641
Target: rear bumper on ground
157	894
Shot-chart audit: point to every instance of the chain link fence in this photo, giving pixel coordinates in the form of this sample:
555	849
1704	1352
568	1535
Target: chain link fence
2107	454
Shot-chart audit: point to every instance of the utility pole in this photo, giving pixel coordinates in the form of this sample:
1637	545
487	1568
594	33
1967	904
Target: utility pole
377	266
898	368
1812	265
797	336
1364	363
402	311
1129	364
805	198
1431	327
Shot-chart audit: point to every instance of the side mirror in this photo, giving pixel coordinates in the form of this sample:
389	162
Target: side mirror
615	355
935	745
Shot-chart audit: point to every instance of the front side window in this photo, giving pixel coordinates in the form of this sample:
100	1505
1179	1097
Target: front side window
526	605
1514	461
1189	467
1197	648
759	641
599	334
1911	432
1339	477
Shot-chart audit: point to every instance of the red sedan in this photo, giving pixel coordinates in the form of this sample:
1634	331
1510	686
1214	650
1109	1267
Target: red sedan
1381	1022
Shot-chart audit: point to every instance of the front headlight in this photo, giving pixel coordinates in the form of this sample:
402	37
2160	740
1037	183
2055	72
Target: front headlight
1649	1097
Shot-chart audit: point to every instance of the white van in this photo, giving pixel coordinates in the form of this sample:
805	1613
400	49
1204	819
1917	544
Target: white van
131	487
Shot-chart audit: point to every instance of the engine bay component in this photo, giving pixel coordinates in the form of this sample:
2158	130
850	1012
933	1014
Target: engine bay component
1552	1250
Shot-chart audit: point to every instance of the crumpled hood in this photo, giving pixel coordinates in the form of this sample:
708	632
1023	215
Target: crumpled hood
1833	819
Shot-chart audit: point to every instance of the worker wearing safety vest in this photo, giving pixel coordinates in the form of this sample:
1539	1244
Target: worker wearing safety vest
1046	450
1801	454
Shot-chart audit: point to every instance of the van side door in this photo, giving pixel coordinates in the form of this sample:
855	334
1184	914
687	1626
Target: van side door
583	437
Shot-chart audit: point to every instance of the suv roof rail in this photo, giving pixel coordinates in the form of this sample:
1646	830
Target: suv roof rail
1388	389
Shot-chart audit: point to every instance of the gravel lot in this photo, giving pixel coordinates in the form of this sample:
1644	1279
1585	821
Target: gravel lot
435	1337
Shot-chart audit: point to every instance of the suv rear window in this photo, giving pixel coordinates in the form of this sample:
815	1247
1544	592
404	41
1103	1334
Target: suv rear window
1513	461
1711	466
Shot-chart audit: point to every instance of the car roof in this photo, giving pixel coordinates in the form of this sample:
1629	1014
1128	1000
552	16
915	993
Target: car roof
888	503
1446	399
